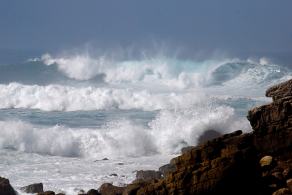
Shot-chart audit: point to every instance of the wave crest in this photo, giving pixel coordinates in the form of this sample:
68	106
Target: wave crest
67	98
169	72
166	134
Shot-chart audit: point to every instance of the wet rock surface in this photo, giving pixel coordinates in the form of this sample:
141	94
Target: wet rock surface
5	187
254	163
148	175
47	193
110	189
33	188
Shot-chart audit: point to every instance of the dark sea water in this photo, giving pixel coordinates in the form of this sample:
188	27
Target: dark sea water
61	114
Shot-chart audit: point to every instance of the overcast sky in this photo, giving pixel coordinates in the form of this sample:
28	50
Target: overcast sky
228	25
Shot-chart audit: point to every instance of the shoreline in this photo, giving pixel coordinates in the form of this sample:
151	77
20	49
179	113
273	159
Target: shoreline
261	160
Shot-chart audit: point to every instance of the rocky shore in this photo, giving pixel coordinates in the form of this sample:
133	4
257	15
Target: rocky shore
259	162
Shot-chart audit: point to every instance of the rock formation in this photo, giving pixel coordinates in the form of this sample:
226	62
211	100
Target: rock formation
254	163
5	187
33	188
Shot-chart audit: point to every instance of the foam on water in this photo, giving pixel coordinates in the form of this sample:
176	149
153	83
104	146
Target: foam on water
167	71
166	134
70	175
67	98
181	98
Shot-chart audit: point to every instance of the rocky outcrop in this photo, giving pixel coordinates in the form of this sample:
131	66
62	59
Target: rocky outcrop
280	91
166	169
33	188
272	123
255	163
148	175
110	189
208	135
5	187
92	192
220	166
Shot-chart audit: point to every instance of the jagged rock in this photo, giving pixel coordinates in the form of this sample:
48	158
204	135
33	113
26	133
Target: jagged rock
110	189
289	184
93	192
272	124
232	134
282	191
5	187
33	188
208	135
229	164
209	168
47	193
148	175
287	173
266	161
187	149
278	175
280	91
132	189
166	169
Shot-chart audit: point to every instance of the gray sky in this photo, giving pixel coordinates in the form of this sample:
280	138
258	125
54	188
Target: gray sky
235	26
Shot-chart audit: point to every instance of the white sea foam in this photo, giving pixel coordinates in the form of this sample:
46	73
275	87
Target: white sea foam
118	139
146	84
70	175
170	72
167	133
176	129
189	98
66	98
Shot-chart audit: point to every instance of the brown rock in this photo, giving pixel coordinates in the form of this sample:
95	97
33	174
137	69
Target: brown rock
282	191
5	187
148	175
278	175
230	164
187	149
208	135
110	189
272	125
280	91
266	161
166	169
132	189
289	184
287	173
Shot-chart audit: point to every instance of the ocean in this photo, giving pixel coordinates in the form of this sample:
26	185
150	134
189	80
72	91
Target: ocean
75	121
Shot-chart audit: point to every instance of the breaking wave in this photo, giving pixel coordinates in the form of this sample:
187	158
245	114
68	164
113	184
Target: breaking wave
67	98
166	134
189	97
170	72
